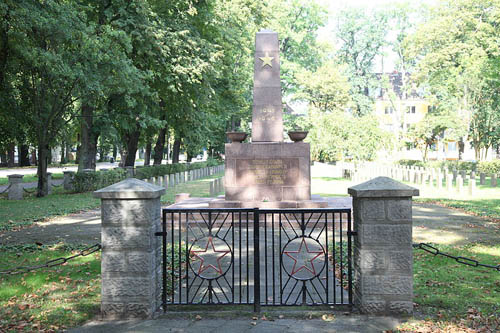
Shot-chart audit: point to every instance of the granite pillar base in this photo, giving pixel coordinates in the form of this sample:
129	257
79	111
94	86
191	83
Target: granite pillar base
267	172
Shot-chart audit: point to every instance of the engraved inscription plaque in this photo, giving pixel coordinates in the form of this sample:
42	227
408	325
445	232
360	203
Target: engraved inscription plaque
268	171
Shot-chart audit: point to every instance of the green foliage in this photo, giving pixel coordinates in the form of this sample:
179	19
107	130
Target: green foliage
489	167
411	163
458	55
338	135
91	181
166	169
453	165
326	89
362	35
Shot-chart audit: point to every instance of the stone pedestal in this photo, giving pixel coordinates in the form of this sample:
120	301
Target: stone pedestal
16	187
267	172
131	263
68	180
383	254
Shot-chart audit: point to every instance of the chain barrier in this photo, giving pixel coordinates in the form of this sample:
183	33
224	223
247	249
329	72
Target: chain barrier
461	260
6	189
29	192
53	262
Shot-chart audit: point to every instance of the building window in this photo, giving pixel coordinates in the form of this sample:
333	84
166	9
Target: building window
452	146
410	109
389	110
431	109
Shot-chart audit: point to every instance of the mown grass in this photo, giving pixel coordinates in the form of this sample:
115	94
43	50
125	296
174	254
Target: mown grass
488	208
31	178
48	299
18	213
453	297
199	188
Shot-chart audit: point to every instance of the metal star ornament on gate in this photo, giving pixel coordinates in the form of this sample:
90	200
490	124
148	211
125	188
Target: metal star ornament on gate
266	60
295	270
204	267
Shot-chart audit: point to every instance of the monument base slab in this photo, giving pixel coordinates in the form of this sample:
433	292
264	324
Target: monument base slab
268	172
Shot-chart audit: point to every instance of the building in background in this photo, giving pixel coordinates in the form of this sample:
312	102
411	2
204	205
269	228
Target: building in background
400	108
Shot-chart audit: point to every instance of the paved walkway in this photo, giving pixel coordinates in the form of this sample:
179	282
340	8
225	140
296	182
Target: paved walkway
333	322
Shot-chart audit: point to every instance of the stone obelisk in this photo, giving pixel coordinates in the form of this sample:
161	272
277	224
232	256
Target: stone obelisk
267	116
267	172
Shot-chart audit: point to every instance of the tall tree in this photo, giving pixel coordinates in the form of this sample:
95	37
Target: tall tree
362	35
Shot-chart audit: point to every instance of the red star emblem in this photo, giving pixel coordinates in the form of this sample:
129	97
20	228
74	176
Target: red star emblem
204	267
295	269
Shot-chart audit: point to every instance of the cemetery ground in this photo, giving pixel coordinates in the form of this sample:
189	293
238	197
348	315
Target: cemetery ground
449	296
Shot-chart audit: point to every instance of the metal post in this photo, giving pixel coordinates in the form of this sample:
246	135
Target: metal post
256	262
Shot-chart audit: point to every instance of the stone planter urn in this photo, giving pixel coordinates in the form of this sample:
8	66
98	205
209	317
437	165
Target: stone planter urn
236	136
297	136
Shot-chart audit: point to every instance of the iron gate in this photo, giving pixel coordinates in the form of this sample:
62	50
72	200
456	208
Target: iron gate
262	257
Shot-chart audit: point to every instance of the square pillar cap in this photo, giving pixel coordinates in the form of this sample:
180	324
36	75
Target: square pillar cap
382	187
130	188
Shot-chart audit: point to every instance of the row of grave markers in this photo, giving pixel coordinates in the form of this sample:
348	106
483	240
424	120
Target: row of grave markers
16	189
173	179
433	177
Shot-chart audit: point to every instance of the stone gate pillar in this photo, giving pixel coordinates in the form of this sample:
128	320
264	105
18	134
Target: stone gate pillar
131	264
383	255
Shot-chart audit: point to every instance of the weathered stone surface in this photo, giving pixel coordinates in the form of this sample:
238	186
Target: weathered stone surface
401	307
373	306
127	287
267	172
130	188
401	261
399	209
127	237
372	210
113	310
267	116
371	259
386	234
16	191
136	212
382	187
387	285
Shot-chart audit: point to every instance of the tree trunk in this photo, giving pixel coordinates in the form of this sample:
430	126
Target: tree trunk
10	155
132	141
68	152
147	153
88	148
34	159
160	146
24	159
3	157
176	151
43	154
63	153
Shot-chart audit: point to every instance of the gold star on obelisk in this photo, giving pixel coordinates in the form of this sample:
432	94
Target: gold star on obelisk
266	60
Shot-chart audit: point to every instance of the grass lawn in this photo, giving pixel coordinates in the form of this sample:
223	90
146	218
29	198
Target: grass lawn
49	299
31	178
16	213
198	188
452	297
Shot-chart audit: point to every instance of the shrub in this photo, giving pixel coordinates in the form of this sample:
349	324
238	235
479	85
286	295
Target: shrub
411	163
489	167
91	181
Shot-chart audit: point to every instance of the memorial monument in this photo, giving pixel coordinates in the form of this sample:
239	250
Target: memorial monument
267	172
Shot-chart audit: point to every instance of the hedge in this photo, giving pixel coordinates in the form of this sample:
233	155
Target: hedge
444	165
91	181
489	167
